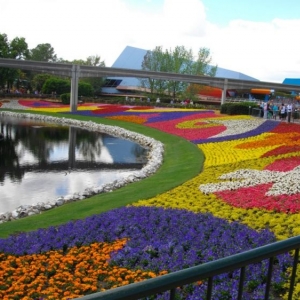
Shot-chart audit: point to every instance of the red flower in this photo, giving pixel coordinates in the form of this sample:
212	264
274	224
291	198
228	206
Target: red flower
205	131
254	197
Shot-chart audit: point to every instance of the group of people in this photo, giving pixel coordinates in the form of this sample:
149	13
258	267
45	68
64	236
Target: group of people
13	91
283	110
128	99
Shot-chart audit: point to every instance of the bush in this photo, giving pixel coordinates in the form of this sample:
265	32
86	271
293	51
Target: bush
85	89
239	108
60	86
65	98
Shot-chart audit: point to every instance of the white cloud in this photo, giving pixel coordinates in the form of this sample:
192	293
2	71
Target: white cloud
265	50
262	50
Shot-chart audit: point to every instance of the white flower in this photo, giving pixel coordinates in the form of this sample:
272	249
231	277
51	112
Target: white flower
284	183
237	126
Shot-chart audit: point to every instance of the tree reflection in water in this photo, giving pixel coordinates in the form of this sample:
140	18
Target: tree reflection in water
31	148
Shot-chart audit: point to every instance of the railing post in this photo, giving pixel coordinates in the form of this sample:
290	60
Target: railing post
209	288
241	283
269	276
172	294
293	276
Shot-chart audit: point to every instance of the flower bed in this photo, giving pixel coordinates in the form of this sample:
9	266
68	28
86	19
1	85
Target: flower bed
250	179
128	245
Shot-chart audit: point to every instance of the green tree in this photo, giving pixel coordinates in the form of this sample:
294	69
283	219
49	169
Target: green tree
154	60
4	53
63	86
79	62
180	60
19	49
53	84
4	46
43	52
202	65
38	80
93	61
15	49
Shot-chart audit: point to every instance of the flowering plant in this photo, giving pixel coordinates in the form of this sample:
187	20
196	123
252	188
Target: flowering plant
245	188
128	245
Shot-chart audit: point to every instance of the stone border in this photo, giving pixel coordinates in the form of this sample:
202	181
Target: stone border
155	159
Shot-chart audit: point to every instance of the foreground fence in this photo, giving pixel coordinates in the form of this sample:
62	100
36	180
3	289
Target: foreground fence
207	271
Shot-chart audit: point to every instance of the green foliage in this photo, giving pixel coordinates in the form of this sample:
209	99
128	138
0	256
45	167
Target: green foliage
95	82
43	52
38	80
4	46
65	98
15	49
154	61
53	84
237	108
180	61
202	66
85	89
19	48
94	60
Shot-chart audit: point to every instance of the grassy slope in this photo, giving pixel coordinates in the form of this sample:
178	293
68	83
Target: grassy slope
182	161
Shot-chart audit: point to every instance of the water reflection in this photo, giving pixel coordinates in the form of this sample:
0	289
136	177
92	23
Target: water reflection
41	161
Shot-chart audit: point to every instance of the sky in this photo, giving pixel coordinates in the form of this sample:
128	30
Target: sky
255	37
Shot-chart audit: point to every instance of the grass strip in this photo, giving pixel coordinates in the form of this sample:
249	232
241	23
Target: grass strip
182	161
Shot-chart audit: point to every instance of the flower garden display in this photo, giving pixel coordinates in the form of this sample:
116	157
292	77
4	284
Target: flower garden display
247	195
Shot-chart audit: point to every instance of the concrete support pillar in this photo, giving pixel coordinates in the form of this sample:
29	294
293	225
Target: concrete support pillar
224	91
74	87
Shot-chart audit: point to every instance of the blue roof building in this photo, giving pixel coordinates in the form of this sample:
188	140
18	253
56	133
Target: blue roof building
294	81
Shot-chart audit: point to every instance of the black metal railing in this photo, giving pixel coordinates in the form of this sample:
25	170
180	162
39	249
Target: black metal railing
207	271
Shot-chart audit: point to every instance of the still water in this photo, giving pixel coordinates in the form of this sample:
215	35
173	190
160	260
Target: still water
41	161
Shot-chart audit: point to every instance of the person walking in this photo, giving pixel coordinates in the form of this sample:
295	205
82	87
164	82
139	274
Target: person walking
289	109
282	112
265	108
275	111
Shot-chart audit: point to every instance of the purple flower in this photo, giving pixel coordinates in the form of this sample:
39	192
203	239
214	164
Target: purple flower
161	239
267	126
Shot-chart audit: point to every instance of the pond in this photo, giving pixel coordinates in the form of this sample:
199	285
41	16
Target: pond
40	161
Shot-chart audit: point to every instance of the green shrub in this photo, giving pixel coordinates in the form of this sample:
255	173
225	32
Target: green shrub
85	89
237	108
65	98
60	86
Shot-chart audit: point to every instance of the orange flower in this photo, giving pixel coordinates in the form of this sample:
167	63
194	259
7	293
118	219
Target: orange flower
55	275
